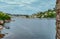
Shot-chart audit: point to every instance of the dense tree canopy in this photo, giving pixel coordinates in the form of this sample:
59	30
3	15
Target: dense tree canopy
46	14
4	16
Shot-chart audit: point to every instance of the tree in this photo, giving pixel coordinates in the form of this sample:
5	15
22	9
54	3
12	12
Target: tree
58	19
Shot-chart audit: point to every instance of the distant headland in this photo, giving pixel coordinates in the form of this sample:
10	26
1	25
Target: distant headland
46	14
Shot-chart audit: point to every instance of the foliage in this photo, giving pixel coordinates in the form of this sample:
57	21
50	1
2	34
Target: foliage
46	14
4	16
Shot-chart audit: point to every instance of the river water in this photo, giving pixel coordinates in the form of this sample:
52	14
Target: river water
23	28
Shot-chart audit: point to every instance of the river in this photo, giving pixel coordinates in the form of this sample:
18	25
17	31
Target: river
24	28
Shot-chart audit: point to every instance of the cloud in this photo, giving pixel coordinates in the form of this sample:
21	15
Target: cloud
18	1
26	6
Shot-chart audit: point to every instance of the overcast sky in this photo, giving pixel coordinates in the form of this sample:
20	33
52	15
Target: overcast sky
26	6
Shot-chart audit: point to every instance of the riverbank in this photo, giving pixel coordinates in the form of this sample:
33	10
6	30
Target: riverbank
46	14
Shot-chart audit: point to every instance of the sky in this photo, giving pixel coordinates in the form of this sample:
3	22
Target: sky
26	6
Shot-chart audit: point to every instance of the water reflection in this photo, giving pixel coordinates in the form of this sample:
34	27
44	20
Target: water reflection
30	29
